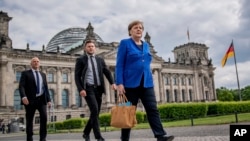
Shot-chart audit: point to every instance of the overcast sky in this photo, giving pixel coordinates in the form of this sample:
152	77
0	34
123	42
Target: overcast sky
212	22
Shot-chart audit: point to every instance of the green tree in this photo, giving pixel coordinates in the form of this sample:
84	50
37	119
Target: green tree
245	93
223	94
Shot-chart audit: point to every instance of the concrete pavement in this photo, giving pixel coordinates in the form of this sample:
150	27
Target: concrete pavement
191	133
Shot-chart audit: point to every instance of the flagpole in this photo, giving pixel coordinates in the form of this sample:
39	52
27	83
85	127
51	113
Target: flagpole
239	93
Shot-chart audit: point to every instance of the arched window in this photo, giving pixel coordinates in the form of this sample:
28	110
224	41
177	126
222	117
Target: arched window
17	100
65	99
50	77
52	95
167	81
18	75
78	100
65	78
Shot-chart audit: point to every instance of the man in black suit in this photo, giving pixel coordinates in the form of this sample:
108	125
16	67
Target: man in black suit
89	70
35	96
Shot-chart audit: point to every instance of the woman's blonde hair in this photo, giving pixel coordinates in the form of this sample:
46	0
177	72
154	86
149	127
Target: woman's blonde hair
133	23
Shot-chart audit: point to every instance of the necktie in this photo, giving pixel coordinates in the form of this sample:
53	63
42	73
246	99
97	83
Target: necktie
37	83
93	69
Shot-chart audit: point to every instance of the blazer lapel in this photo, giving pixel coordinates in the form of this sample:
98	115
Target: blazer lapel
32	76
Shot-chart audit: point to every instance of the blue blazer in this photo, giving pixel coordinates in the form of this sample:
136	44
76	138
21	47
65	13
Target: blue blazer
132	64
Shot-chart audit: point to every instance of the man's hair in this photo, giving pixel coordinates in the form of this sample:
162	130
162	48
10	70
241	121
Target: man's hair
88	41
133	23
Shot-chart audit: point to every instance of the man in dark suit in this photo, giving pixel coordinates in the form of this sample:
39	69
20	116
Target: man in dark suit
89	70
35	96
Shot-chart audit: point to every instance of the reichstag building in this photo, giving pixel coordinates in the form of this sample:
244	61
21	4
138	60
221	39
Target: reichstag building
187	78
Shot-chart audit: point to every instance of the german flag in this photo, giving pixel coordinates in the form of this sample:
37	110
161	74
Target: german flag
229	53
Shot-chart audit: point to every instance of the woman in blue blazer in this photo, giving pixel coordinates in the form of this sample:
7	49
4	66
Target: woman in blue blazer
134	79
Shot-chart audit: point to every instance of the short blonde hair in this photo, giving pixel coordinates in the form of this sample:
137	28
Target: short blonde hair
133	23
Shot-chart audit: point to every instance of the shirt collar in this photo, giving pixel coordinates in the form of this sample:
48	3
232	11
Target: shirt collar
34	70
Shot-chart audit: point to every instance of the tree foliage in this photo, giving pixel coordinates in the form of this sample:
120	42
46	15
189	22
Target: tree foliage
224	94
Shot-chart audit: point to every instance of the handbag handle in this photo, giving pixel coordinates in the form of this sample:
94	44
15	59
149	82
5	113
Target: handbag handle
122	99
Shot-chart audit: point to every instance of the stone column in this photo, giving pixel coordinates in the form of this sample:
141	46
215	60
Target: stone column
202	90
212	91
59	88
171	90
161	86
73	87
196	86
156	84
3	88
186	89
107	92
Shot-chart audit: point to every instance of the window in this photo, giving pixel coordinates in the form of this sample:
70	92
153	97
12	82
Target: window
175	81
206	94
189	81
52	95
205	81
37	120
183	81
68	116
190	95
52	119
166	81
78	100
65	77
51	77
65	99
183	95
175	95
82	115
18	76
167	95
17	100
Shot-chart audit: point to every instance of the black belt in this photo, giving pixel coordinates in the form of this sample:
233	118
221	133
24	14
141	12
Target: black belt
91	85
39	97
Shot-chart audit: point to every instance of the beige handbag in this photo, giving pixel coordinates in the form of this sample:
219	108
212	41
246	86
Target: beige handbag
123	114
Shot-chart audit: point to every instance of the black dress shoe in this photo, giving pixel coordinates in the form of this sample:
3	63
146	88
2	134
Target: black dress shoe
165	138
86	137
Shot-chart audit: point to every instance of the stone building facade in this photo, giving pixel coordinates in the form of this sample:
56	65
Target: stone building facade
189	78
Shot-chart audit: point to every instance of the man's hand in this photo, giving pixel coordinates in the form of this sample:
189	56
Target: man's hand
25	101
114	87
83	93
49	104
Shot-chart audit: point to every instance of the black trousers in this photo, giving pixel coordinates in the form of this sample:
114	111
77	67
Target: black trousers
30	109
94	101
147	97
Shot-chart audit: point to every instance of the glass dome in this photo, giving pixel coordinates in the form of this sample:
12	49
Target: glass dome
68	39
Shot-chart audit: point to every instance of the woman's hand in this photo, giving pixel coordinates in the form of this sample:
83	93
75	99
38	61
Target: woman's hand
121	89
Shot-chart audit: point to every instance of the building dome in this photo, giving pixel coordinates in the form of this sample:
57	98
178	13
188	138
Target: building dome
68	39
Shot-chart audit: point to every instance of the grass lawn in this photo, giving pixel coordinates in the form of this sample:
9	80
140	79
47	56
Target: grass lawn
198	121
226	119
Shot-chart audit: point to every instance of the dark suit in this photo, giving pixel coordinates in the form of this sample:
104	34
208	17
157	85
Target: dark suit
94	94
27	88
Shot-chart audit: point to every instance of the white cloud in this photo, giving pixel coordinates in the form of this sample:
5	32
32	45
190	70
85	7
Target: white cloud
214	23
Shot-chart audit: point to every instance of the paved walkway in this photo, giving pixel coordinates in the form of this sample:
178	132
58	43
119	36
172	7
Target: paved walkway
191	133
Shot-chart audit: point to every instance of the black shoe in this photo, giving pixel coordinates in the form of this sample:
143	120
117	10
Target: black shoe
165	138
101	139
86	137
